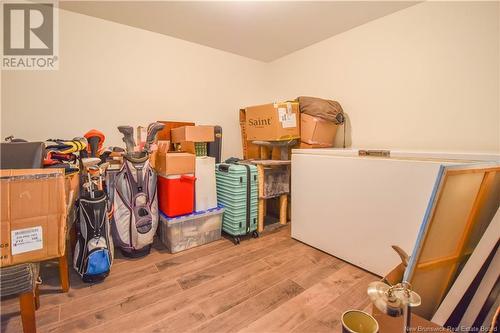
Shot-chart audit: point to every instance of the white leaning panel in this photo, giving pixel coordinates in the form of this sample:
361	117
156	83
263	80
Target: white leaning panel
355	208
205	186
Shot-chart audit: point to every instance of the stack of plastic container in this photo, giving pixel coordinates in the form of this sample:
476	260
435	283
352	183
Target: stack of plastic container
180	227
237	191
194	139
176	180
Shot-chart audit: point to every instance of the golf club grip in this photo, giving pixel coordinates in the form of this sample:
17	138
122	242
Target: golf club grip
128	137
94	145
154	130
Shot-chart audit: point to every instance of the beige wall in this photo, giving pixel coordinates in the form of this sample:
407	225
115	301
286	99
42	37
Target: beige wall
112	74
425	78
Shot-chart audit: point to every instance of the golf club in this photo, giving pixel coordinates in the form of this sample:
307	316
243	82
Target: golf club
95	173
128	137
94	144
91	191
153	129
90	161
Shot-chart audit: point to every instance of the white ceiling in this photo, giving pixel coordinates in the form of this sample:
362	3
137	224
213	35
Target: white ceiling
255	29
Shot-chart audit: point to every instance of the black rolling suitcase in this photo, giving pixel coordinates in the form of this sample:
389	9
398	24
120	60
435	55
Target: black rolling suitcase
214	149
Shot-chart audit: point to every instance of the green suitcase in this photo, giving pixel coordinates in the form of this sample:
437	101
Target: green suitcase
237	191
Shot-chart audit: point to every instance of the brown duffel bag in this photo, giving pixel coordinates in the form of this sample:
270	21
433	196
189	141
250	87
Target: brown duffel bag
322	108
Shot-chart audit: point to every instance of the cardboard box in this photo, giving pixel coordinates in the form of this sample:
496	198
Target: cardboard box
164	134
185	147
250	151
71	188
314	130
33	215
174	163
163	146
192	134
167	162
272	122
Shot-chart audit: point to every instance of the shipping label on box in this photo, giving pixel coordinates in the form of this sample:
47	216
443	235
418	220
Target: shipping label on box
26	240
286	118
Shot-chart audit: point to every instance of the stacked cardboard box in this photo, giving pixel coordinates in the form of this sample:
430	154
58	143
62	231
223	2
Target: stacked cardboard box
167	162
316	132
268	122
283	121
193	139
175	180
186	183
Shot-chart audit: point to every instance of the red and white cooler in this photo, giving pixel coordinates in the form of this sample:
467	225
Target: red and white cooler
176	194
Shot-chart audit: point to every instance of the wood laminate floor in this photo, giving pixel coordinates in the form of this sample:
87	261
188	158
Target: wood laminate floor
269	284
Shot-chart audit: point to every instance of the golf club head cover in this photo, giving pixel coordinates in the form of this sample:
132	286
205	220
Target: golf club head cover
153	129
128	137
95	139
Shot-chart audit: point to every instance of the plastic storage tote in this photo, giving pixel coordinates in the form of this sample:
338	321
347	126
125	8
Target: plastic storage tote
184	232
237	191
176	194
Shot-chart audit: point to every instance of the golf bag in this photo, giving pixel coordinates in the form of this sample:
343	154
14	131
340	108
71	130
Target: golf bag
94	248
135	207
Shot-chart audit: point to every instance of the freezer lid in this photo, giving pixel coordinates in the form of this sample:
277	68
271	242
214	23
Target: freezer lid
401	154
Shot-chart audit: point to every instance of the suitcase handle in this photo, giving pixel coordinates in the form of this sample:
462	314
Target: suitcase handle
224	167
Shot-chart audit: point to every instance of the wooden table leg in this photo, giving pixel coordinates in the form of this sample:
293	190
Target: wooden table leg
37	297
284	153
27	306
262	201
262	204
289	208
283	208
64	273
72	239
264	152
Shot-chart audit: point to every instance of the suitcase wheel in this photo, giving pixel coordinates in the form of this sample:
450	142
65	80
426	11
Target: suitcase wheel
255	234
236	240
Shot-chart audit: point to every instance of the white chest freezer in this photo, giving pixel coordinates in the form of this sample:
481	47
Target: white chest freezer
355	207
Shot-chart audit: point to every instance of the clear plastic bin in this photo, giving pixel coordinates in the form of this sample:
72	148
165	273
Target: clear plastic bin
187	231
